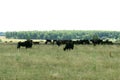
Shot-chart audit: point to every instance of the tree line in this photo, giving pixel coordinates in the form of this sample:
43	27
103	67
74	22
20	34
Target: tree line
2	34
62	34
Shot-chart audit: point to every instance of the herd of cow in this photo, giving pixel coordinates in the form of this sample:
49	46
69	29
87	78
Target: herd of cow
69	44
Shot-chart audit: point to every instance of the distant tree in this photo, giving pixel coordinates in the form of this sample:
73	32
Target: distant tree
63	34
95	37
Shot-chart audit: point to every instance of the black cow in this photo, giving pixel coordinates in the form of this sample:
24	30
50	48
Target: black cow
48	40
58	42
69	45
97	41
26	44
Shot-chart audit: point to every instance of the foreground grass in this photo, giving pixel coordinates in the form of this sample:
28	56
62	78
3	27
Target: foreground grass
48	62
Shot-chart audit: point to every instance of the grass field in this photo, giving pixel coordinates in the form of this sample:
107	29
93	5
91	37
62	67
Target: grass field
50	62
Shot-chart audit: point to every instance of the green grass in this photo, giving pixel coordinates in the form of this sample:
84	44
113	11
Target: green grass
50	62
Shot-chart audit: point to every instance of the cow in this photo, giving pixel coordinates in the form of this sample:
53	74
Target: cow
48	40
61	42
69	45
26	44
58	42
96	41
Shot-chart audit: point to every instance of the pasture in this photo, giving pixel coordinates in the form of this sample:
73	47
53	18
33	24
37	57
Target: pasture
50	62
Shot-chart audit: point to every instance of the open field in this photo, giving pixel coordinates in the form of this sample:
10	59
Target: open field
50	62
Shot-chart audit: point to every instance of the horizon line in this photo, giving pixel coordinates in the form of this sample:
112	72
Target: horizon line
59	30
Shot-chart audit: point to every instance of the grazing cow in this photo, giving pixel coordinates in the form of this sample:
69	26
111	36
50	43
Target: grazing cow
26	44
48	40
69	45
97	41
58	42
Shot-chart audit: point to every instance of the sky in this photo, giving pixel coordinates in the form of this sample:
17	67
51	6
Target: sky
28	15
